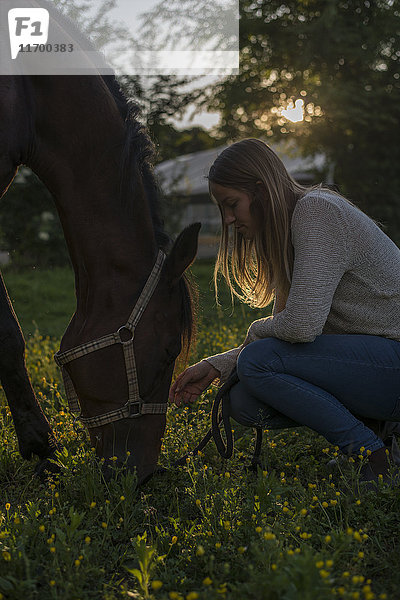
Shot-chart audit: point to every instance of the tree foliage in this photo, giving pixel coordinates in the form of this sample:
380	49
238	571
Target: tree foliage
161	99
342	58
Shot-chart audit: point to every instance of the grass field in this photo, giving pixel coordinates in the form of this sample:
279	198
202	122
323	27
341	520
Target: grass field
207	530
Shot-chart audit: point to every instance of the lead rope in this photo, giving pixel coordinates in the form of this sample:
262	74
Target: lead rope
220	413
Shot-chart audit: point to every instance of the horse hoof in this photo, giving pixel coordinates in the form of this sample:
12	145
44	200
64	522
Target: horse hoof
46	469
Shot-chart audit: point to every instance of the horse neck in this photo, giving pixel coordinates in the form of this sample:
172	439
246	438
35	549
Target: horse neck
78	153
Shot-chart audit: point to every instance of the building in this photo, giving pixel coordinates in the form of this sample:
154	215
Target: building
184	183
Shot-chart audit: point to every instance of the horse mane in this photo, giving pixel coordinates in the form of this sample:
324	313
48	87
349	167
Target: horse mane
139	150
137	156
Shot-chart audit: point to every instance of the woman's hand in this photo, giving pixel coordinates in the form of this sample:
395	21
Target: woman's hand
192	382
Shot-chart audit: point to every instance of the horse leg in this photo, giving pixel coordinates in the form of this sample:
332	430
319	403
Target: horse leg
31	426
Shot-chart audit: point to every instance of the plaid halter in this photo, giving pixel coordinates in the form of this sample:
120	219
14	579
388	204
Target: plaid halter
135	406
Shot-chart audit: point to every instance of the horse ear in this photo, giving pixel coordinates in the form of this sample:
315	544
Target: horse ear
183	252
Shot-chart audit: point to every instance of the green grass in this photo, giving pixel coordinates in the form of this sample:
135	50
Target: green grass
42	299
207	530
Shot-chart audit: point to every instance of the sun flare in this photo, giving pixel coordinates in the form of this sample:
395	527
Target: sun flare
294	112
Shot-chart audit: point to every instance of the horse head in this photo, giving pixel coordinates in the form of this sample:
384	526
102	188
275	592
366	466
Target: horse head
101	378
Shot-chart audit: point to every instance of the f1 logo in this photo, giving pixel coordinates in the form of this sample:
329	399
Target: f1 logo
27	26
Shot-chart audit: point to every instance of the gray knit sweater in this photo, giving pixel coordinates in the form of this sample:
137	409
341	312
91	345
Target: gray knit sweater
346	278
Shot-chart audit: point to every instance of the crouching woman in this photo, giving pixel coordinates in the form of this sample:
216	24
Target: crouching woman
329	357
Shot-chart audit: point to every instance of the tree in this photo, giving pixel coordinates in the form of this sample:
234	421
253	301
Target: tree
162	98
341	57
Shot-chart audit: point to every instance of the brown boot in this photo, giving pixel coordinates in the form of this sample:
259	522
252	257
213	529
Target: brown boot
378	468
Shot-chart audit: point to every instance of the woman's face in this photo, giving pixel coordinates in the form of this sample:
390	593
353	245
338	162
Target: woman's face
235	208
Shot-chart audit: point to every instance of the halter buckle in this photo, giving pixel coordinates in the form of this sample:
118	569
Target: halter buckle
134	409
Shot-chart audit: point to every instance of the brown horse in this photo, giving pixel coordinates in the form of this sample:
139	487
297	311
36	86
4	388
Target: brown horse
82	138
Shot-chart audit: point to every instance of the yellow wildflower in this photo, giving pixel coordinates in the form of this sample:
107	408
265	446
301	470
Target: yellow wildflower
324	574
156	585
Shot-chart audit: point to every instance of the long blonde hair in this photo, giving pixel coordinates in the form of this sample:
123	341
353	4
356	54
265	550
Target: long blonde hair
254	269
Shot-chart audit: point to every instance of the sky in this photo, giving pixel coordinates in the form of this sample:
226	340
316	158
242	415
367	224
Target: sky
128	13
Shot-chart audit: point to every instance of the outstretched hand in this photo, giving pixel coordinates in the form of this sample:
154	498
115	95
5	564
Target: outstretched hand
192	382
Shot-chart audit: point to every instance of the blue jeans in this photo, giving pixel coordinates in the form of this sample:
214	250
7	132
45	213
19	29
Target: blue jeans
321	384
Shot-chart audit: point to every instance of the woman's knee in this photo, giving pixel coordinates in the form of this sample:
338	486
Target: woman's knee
259	356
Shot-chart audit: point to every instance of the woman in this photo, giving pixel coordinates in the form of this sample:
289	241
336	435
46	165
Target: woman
331	350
